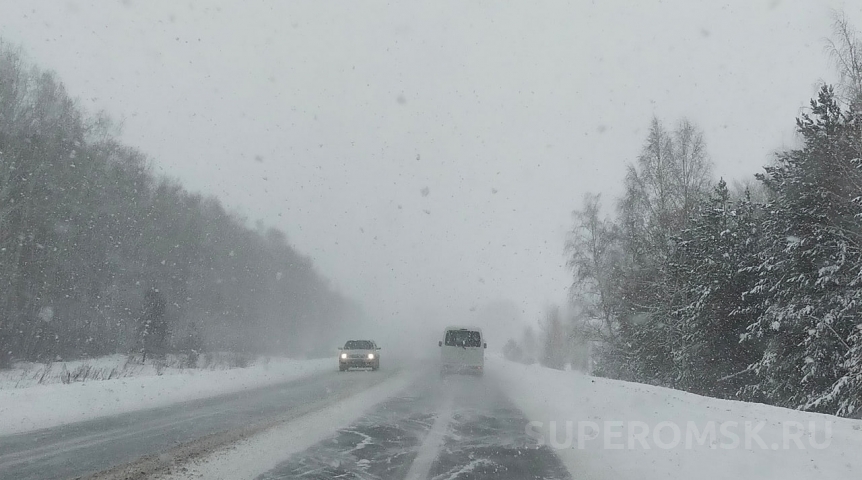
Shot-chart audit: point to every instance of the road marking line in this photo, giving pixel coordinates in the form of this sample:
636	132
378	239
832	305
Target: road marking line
421	466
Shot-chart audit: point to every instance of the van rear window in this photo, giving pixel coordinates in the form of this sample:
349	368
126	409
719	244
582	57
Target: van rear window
463	338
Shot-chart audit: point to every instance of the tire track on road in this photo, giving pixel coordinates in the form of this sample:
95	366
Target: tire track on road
430	448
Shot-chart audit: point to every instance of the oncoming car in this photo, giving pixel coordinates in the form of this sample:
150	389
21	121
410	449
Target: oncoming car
359	354
462	350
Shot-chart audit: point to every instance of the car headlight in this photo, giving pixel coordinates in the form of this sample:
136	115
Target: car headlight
371	356
343	355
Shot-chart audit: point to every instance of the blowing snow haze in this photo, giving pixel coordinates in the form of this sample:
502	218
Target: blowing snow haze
423	240
427	156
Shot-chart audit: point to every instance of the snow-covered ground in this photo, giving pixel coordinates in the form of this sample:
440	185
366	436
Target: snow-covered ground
134	387
110	367
599	428
619	425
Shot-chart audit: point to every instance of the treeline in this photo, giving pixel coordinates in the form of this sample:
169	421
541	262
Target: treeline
751	293
90	240
562	342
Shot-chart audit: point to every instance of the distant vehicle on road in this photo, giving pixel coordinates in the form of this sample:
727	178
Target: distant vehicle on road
359	354
462	350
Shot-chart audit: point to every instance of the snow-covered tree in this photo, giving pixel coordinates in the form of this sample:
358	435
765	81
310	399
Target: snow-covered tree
663	188
554	339
810	274
512	351
85	227
846	52
594	256
712	266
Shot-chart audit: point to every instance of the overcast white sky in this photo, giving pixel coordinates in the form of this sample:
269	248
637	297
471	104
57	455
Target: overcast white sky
508	112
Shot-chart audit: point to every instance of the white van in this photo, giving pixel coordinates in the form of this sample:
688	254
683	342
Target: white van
462	350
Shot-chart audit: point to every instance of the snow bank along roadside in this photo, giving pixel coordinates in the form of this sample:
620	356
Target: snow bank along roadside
109	367
611	417
42	406
263	452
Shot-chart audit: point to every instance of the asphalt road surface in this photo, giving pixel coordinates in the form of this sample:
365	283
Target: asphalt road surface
455	428
451	428
84	448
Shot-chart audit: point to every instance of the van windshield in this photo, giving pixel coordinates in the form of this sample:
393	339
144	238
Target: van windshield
463	338
358	345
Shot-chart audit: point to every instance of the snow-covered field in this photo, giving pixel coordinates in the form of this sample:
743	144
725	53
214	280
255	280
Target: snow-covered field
619	425
131	387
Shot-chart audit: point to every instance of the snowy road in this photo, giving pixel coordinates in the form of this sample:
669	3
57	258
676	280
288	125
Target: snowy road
430	428
457	428
86	447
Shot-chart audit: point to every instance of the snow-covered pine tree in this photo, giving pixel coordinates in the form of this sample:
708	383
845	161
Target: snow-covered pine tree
711	265
811	267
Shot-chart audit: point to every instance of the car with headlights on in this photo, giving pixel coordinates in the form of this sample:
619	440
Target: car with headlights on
359	354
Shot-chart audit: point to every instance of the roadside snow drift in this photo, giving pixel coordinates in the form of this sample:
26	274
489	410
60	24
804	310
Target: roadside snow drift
43	406
608	429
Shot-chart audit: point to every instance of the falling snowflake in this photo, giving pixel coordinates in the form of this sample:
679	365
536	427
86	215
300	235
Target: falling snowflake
46	314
